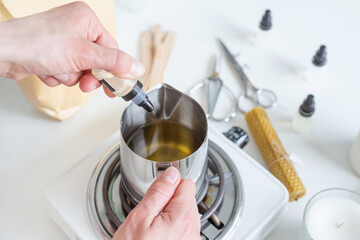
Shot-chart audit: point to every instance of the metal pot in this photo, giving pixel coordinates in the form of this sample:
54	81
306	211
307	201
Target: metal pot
170	104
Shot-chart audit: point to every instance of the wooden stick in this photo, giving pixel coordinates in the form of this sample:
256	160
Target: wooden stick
157	37
146	53
162	45
169	42
160	60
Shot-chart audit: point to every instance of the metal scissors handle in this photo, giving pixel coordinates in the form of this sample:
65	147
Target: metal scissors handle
212	87
259	96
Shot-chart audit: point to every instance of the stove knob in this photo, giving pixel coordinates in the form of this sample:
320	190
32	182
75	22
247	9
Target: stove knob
238	136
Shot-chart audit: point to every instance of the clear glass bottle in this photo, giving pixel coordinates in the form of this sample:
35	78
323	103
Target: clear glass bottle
317	66
263	34
303	120
128	89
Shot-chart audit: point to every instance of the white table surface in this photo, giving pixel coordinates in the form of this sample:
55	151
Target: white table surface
36	149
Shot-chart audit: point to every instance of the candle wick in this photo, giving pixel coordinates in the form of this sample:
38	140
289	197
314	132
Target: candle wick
340	225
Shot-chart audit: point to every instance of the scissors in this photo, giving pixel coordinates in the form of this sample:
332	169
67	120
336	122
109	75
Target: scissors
258	96
212	87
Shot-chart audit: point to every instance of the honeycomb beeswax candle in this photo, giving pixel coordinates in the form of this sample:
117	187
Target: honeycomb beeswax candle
273	152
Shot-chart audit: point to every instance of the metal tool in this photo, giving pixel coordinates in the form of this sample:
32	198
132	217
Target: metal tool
212	87
257	96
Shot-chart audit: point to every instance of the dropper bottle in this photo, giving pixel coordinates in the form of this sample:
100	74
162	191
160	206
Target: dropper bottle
317	65
262	35
303	119
128	89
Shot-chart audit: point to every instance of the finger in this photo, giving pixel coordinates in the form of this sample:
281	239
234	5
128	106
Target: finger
88	83
108	92
183	198
182	212
61	77
49	81
70	79
105	39
111	59
159	193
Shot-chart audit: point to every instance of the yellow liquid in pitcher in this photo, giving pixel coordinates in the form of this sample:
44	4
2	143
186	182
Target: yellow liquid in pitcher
164	141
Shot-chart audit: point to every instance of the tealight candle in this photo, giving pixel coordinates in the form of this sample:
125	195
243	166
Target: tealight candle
332	214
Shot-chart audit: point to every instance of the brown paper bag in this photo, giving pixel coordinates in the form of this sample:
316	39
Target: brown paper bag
60	102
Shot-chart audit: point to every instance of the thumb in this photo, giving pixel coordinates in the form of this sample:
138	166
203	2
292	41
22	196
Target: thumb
159	193
110	59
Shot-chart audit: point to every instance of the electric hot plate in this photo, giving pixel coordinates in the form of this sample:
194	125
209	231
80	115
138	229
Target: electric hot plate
244	201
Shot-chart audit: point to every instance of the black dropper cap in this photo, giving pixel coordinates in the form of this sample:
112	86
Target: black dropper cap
266	23
140	98
320	57
147	105
307	109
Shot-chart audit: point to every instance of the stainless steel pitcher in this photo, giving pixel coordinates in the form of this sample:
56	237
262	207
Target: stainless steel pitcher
169	104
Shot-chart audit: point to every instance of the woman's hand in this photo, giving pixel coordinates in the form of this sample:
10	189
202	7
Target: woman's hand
168	211
61	46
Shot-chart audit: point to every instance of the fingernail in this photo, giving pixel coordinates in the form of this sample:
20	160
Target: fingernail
171	174
137	69
91	88
62	77
42	76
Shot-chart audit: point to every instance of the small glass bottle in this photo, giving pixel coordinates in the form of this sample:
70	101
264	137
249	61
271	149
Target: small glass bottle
261	37
128	89
317	66
303	119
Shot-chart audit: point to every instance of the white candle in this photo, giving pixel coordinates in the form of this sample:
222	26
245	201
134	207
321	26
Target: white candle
334	218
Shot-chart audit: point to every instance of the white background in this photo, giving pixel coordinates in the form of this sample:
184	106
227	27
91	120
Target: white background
36	149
